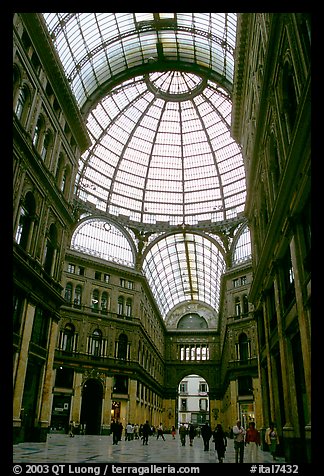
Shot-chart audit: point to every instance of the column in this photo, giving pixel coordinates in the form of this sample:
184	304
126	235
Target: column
46	399
22	364
106	406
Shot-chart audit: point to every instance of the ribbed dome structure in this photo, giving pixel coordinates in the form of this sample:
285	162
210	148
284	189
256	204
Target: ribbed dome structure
162	152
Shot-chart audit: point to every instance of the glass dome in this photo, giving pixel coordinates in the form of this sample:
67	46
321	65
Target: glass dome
162	152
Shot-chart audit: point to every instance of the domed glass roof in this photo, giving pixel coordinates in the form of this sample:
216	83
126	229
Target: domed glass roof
162	152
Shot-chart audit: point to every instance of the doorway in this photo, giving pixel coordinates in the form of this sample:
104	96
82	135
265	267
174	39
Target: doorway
91	408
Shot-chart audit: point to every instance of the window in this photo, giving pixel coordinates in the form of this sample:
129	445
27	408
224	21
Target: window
106	278
237	307
122	282
95	300
77	296
46	145
81	271
27	211
68	336
122	347
121	305
71	268
128	307
98	275
203	404
130	284
245	305
68	292
243	349
104	303
203	387
51	244
21	103
96	343
183	404
183	387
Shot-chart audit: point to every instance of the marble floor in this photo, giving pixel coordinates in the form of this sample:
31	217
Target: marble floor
99	449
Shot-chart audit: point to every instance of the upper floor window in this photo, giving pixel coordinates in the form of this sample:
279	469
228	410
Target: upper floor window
24	229
67	339
183	387
21	103
51	244
122	347
78	296
96	343
128	307
68	292
81	271
95	300
106	278
121	305
71	268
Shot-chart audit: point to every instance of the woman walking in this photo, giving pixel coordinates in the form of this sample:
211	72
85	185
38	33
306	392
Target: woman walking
220	440
272	439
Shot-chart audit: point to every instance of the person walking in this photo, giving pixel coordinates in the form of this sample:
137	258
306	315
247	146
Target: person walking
220	440
183	434
191	433
71	429
206	434
129	432
272	439
173	432
239	436
252	442
115	429
160	432
146	430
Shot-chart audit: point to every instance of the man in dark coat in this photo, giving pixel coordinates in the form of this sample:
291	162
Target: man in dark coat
115	429
206	434
146	431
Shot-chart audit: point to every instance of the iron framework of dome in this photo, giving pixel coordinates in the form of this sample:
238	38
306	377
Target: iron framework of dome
155	91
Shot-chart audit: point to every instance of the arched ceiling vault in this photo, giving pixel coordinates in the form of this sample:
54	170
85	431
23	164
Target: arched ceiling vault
155	92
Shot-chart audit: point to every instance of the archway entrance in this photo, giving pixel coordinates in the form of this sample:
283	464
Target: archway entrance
193	400
91	407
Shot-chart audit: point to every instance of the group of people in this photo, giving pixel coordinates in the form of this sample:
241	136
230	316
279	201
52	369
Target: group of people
247	440
251	440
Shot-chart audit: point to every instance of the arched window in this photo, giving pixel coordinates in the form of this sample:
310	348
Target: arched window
46	144
27	211
68	293
95	300
104	302
38	132
237	307
121	305
245	305
22	103
243	348
96	343
122	347
51	244
128	307
78	296
68	338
